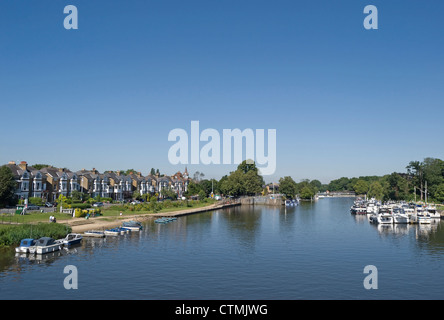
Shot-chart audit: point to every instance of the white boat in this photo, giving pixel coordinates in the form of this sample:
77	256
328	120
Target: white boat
71	239
112	232
400	216
25	245
433	213
94	233
381	218
423	218
46	245
132	225
385	218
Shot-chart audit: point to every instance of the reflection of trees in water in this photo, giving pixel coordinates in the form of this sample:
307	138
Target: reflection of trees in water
243	224
6	258
431	236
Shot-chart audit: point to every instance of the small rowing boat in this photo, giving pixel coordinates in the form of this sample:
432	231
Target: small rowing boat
132	225
94	233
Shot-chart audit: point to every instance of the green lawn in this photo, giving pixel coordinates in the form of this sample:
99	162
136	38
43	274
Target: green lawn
32	217
113	211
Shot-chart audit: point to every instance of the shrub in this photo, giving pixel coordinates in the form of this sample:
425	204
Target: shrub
80	205
35	201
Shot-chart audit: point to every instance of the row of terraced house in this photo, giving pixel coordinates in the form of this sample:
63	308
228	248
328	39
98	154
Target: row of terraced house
50	182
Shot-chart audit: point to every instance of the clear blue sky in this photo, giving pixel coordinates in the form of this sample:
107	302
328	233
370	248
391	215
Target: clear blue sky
345	101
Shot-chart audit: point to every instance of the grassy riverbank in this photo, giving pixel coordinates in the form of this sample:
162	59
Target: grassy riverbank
155	207
14	228
11	235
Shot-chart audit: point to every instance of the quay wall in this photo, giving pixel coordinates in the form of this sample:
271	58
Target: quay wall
267	201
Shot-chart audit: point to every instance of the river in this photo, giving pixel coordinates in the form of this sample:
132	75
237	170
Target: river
313	251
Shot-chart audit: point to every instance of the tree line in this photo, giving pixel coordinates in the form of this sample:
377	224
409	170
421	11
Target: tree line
420	180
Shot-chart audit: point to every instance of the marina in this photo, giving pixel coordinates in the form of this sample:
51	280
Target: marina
395	212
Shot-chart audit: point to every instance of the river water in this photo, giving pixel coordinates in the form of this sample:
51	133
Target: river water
313	251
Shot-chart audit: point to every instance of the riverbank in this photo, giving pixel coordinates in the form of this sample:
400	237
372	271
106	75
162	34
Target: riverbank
80	225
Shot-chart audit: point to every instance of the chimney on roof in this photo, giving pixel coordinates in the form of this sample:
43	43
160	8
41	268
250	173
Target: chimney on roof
11	162
139	174
23	165
118	172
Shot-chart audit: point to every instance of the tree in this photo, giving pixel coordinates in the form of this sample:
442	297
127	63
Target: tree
40	166
395	187
439	193
316	185
168	193
234	184
193	189
7	187
36	201
288	187
361	187
376	191
340	184
76	195
252	182
202	195
306	193
153	172
246	166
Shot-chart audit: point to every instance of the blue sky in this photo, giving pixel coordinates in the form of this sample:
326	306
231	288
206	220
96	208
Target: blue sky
345	101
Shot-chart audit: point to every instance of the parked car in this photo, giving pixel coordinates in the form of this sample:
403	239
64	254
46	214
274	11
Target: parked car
98	204
135	202
33	207
49	205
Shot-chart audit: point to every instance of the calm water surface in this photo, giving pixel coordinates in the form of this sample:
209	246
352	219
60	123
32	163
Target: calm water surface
314	251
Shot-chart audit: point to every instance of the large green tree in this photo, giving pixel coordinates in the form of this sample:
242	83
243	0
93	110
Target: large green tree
361	187
7	187
376	190
288	187
307	193
244	181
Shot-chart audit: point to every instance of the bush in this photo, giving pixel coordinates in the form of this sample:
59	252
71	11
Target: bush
35	201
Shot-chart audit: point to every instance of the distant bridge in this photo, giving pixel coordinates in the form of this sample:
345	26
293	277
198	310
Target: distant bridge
336	194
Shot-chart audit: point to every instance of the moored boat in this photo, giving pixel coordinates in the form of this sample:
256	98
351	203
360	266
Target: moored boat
25	245
132	225
72	239
399	216
433	213
165	219
94	233
46	245
112	232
